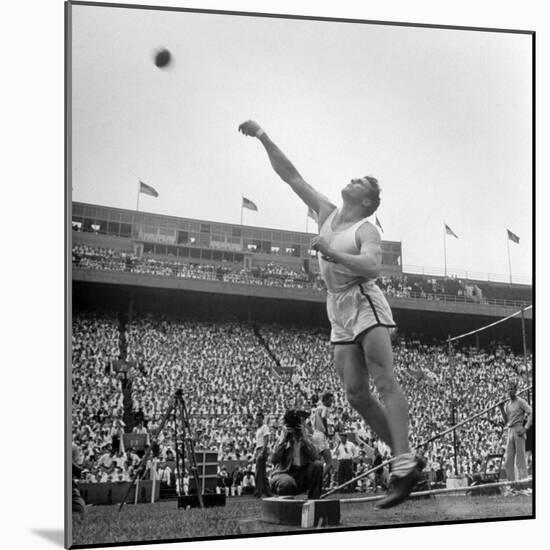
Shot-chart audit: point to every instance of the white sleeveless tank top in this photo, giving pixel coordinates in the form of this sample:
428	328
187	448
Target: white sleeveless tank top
337	277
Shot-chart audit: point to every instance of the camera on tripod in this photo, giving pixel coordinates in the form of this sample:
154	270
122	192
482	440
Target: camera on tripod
185	454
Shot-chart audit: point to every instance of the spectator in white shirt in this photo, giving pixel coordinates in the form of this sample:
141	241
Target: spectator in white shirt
345	452
107	459
132	458
261	453
248	482
165	475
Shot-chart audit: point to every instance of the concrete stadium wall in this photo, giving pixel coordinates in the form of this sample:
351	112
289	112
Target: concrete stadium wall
122	279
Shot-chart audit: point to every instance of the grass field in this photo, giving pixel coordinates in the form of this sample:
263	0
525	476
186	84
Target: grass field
242	516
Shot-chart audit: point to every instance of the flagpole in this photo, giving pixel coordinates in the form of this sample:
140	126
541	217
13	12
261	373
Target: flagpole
509	261
139	189
242	198
307	216
445	247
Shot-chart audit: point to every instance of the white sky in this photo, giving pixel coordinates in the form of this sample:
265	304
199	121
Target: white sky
442	118
32	117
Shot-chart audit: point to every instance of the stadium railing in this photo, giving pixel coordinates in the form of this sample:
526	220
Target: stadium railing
250	279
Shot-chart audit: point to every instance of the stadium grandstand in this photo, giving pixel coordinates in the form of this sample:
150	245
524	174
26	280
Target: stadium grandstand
235	316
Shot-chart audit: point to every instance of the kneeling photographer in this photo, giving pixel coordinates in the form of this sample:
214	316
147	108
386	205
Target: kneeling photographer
296	464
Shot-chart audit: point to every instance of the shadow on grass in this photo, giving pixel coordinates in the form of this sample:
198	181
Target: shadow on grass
53	535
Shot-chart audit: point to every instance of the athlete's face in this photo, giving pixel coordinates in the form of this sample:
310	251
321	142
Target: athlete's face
357	190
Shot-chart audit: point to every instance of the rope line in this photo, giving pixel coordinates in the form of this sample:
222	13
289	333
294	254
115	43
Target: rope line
489	326
469	488
421	444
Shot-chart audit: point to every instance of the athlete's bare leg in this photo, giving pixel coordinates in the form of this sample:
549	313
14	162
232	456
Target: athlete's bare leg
378	355
374	358
350	366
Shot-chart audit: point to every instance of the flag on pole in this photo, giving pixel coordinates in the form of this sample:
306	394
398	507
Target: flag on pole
247	203
377	222
512	237
449	231
312	214
147	189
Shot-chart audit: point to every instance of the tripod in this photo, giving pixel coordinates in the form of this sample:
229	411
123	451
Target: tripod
183	442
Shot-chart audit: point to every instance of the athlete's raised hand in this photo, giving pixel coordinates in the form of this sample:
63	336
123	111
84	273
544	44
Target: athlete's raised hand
249	128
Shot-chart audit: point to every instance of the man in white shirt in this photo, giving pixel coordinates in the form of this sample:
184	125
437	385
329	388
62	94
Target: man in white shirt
345	452
165	475
184	489
104	477
141	429
117	433
261	452
248	482
119	474
107	459
516	412
120	460
321	430
132	457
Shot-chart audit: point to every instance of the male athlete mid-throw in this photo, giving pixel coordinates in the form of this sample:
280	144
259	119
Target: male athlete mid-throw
360	317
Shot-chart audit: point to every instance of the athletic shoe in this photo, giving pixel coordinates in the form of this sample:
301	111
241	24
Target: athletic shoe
400	489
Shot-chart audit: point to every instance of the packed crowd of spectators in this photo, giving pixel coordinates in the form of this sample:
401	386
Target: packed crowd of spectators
96	396
431	288
425	373
229	371
271	274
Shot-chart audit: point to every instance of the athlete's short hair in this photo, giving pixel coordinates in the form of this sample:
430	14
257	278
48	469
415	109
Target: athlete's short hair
373	196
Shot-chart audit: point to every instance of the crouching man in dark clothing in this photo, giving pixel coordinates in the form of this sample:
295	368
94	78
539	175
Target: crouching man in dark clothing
296	464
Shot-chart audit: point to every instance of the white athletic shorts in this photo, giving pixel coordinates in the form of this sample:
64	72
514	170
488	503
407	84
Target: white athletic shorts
357	310
320	440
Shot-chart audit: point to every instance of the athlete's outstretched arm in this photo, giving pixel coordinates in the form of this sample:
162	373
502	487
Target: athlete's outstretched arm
286	170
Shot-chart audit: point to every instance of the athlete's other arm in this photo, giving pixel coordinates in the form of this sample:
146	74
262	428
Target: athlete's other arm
367	263
287	172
